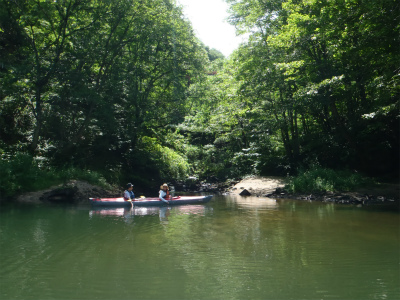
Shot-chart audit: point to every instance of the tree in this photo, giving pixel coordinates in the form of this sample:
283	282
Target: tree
318	67
214	54
98	77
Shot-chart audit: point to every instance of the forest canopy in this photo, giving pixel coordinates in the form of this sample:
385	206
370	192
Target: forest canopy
125	88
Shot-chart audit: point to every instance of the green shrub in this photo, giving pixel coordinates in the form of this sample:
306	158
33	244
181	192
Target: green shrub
324	180
168	162
85	175
22	173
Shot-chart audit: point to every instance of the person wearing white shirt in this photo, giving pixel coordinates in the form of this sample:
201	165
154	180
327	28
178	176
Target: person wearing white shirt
164	193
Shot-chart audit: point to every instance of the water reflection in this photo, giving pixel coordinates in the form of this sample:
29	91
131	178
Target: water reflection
250	202
230	248
116	212
163	212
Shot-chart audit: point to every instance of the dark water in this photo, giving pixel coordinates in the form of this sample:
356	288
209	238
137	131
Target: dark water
230	248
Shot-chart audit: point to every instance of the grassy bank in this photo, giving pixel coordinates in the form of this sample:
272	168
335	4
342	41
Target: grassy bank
326	180
22	173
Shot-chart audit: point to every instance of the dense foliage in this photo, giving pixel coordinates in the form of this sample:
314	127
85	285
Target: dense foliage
124	88
325	75
316	85
22	173
321	180
97	84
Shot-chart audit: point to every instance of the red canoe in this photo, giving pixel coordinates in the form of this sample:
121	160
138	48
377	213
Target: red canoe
149	201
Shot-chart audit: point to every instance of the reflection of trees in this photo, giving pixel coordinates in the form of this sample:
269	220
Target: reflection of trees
303	247
232	253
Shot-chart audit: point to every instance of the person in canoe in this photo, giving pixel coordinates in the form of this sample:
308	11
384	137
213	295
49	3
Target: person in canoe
164	193
128	194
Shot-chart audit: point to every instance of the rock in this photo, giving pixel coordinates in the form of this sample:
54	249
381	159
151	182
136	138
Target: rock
245	193
73	191
256	185
63	194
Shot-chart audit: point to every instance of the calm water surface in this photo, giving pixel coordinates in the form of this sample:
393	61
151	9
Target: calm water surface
230	248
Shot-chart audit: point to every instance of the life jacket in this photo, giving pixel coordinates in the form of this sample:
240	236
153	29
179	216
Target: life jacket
131	195
167	195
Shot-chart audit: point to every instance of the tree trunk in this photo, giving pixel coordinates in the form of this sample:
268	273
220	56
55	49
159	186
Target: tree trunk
39	119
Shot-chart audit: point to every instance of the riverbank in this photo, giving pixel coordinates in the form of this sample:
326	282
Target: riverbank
256	186
272	187
73	191
76	191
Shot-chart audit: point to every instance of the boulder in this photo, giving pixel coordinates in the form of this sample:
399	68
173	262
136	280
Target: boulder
61	194
245	193
74	191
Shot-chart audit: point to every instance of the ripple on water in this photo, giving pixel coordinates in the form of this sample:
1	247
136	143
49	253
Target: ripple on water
227	249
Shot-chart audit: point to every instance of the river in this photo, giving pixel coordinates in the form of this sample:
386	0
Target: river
231	248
